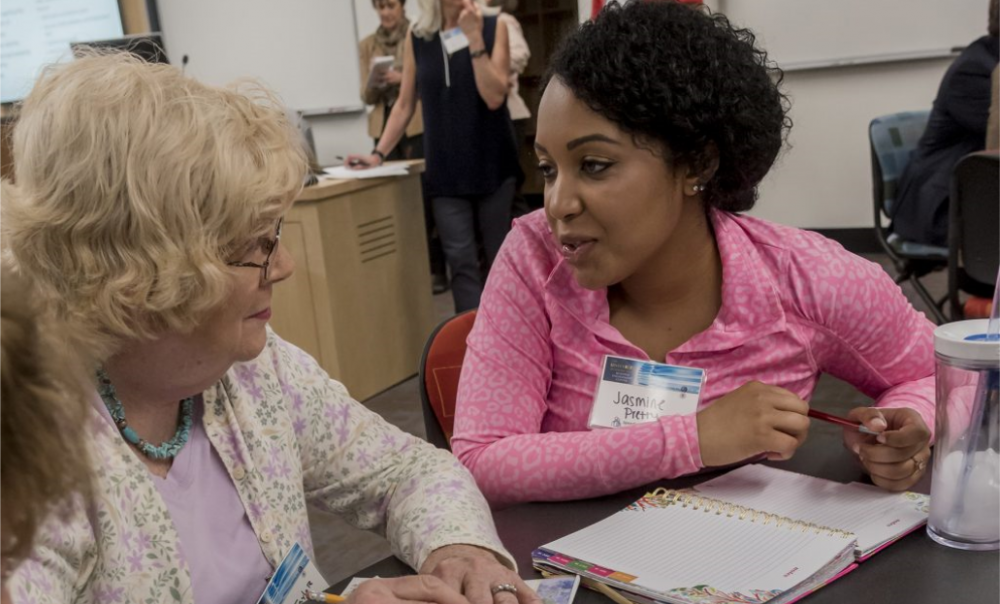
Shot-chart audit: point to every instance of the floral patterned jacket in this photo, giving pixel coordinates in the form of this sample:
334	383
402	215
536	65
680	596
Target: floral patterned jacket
289	436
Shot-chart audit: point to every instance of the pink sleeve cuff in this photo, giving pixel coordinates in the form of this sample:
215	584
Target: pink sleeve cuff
917	395
681	450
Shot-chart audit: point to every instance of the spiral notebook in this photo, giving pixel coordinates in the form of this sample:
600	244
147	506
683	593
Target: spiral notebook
709	544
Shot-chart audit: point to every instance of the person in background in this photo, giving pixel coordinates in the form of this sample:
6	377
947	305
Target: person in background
381	93
956	127
148	211
44	457
457	62
520	54
657	123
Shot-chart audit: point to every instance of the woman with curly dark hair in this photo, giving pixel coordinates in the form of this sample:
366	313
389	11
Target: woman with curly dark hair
655	128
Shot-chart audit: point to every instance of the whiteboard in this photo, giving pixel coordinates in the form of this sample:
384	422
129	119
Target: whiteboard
306	50
816	33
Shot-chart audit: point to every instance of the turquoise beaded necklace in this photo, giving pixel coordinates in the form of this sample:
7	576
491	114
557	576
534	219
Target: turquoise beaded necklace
168	449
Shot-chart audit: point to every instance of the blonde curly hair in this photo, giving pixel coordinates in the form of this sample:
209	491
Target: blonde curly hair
135	185
44	459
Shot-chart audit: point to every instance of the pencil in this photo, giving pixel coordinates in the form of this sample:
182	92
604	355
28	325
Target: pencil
833	419
316	596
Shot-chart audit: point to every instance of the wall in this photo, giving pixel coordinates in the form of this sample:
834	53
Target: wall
823	179
797	32
306	51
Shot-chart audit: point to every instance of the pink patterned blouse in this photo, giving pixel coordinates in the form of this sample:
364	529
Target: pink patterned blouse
794	305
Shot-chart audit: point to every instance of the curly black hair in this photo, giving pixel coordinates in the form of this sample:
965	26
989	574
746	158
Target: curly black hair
686	78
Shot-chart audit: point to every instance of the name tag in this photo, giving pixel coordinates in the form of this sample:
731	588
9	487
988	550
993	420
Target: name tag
294	575
635	392
454	40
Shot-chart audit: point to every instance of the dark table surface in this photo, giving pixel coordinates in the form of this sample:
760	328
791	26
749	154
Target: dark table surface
914	570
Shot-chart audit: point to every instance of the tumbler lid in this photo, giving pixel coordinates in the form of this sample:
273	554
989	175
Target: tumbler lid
953	340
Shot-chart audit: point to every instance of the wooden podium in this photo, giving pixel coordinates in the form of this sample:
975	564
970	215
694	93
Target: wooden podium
360	298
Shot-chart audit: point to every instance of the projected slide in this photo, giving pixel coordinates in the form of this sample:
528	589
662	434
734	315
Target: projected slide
38	32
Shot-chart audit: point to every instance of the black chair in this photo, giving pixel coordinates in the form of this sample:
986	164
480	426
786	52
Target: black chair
893	138
974	229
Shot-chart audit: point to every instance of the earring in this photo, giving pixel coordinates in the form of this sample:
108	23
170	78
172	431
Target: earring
698	188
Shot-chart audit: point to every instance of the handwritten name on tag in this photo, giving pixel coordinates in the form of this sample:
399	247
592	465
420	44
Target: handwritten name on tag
633	392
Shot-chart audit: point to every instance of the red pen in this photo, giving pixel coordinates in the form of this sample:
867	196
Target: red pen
833	419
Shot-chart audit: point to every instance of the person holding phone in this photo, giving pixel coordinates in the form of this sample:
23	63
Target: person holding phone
459	60
380	89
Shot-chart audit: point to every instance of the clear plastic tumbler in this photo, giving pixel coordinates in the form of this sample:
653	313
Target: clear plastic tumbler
965	488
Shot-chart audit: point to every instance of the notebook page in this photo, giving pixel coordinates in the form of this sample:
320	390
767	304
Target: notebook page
677	548
872	514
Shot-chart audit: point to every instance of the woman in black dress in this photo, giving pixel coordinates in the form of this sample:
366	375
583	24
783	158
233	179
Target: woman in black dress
456	61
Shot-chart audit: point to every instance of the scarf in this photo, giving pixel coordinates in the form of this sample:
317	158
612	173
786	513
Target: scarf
388	40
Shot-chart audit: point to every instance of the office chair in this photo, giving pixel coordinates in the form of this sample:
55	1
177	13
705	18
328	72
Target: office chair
893	138
973	229
440	368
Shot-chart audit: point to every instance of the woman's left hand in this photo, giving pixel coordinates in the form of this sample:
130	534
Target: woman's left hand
471	21
897	458
475	573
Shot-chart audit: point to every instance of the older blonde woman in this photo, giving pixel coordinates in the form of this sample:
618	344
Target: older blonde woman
43	406
148	208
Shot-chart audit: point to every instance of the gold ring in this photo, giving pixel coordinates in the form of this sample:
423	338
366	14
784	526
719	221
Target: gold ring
507	587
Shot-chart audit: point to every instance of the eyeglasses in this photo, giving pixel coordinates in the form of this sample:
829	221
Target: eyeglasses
270	245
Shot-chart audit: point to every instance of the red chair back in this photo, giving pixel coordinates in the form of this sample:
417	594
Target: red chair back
440	368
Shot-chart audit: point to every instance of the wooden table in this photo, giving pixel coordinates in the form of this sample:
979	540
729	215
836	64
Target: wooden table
914	570
360	298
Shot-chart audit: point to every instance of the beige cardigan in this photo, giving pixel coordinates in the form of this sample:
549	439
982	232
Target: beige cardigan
368	49
289	436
